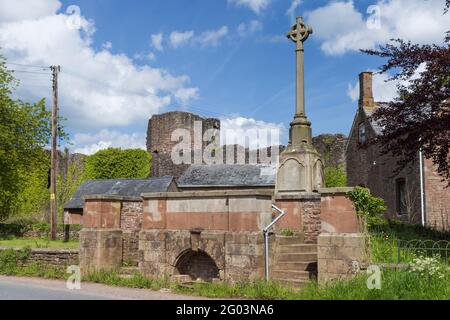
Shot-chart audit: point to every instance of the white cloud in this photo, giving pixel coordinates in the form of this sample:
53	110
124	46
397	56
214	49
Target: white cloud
383	90
88	144
97	89
156	41
245	29
240	130
144	56
184	95
13	10
178	38
257	6
107	45
342	28
292	9
212	37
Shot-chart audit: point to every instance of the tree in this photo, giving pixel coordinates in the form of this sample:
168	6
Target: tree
115	163
419	119
335	177
24	132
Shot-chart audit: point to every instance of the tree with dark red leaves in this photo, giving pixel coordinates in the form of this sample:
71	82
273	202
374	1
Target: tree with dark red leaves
419	119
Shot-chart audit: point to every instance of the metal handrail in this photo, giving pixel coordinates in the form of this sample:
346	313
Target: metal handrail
266	238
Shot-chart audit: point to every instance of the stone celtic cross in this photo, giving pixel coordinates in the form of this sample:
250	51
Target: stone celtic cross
299	33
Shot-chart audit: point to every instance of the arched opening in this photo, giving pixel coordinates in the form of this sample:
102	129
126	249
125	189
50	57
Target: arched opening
198	265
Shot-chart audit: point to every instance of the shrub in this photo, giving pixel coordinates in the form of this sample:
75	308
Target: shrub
287	232
10	259
368	208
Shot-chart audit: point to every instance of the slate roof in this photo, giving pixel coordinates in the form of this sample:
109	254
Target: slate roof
223	175
375	125
121	187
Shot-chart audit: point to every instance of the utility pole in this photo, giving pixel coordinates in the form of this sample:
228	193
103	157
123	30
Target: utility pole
54	153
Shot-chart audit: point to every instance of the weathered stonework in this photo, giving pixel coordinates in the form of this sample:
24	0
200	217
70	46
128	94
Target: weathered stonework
100	249
50	257
160	144
368	167
131	224
340	255
338	214
302	214
235	256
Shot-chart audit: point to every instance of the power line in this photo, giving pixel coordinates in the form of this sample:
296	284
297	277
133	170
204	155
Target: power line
27	65
33	72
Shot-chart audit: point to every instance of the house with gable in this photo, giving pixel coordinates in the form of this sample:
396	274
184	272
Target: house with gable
418	194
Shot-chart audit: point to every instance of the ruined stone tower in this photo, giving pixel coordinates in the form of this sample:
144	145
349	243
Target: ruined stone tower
160	144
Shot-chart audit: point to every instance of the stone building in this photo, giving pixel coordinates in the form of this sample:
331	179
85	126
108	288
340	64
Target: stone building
368	167
162	138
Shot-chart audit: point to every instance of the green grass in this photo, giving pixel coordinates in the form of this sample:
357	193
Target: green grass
38	243
384	242
396	285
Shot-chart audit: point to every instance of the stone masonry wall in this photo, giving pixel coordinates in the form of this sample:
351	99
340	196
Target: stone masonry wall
160	144
302	215
340	255
131	224
238	256
51	257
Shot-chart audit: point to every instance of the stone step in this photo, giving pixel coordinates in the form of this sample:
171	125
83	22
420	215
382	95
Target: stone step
297	248
282	240
125	276
297	266
297	257
291	274
129	270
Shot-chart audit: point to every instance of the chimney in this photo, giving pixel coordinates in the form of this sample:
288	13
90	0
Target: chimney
365	89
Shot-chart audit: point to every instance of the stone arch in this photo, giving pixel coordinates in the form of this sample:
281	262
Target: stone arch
293	174
197	264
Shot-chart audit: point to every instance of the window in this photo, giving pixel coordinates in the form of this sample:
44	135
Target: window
362	132
400	190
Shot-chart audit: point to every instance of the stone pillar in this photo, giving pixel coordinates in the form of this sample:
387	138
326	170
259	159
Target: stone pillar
101	236
100	249
341	255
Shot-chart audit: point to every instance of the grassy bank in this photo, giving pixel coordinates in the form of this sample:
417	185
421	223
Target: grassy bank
395	284
38	243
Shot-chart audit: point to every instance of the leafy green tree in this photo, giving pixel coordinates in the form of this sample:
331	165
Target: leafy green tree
115	163
69	180
24	131
335	177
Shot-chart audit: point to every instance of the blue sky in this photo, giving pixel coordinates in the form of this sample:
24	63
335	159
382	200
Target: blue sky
222	58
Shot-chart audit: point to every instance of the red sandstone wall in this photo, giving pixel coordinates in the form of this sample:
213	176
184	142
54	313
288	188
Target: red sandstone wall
338	214
209	213
437	198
